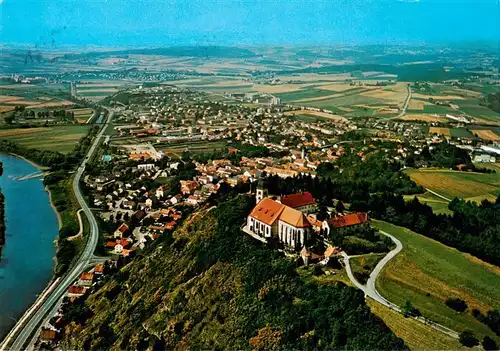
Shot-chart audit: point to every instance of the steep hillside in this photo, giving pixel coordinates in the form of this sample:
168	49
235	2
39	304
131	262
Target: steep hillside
210	286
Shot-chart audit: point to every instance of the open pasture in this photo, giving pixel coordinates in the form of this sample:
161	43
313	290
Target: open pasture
486	134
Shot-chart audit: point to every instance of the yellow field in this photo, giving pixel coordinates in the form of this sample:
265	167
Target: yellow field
337	87
7	98
438	97
417	104
51	104
423	117
439	130
6	108
19	131
317	114
81	111
486	134
415	334
467	185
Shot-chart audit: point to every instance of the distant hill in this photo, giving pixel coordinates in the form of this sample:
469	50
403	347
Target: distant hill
177	51
209	286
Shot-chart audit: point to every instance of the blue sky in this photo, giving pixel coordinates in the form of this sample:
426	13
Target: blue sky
259	22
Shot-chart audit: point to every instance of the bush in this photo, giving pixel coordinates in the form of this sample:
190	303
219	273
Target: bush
457	304
467	338
489	344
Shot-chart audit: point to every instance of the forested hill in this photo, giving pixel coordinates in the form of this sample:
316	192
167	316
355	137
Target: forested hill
209	286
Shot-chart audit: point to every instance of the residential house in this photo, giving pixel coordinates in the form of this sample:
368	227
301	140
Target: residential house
120	231
86	278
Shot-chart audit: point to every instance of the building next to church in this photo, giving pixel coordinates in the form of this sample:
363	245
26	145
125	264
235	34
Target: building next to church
345	223
303	202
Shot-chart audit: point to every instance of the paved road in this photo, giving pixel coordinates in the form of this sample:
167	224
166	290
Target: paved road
20	334
438	195
371	291
405	106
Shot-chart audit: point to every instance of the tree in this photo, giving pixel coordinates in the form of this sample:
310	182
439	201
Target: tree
339	207
489	344
408	310
467	338
457	304
267	338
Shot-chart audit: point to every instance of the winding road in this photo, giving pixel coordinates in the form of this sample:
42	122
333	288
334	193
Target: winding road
31	320
371	291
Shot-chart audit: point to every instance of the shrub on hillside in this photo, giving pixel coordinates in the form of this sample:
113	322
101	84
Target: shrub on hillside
467	338
457	304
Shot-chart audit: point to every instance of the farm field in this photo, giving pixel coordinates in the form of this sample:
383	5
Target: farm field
82	114
467	185
440	131
427	273
486	134
193	147
439	205
422	117
415	334
57	138
314	116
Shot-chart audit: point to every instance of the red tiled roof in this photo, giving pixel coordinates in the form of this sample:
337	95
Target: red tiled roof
123	242
73	289
48	334
87	276
294	218
99	268
111	244
348	220
123	228
298	200
267	211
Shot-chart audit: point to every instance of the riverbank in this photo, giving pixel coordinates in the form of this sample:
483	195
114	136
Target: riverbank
58	214
42	168
2	223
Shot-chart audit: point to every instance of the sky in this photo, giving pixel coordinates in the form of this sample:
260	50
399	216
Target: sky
153	23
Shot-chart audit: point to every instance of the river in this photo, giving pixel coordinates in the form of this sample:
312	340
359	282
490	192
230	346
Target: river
27	259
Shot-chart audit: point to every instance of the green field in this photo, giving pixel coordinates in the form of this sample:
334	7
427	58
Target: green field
202	146
427	273
467	185
439	206
54	138
461	133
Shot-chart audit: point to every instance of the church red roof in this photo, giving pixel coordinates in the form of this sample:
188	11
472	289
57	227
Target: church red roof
348	220
298	200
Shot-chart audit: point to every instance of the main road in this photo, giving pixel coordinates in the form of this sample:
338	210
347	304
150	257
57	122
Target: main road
31	320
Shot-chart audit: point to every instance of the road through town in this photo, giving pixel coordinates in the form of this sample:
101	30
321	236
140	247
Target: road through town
29	323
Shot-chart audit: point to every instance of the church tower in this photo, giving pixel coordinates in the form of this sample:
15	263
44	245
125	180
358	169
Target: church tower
261	192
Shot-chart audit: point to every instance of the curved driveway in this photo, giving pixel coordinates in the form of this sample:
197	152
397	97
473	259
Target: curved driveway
29	323
370	290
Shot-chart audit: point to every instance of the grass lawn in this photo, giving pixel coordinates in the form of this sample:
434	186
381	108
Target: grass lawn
427	273
415	334
468	185
54	138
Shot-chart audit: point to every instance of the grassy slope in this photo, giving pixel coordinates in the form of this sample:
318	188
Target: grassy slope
427	273
452	184
415	334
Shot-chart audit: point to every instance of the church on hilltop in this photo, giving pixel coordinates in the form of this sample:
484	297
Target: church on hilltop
292	221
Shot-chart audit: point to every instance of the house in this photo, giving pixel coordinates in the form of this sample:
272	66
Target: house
175	199
76	291
188	186
193	200
159	192
120	231
149	203
48	334
345	223
303	202
270	218
86	278
98	269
